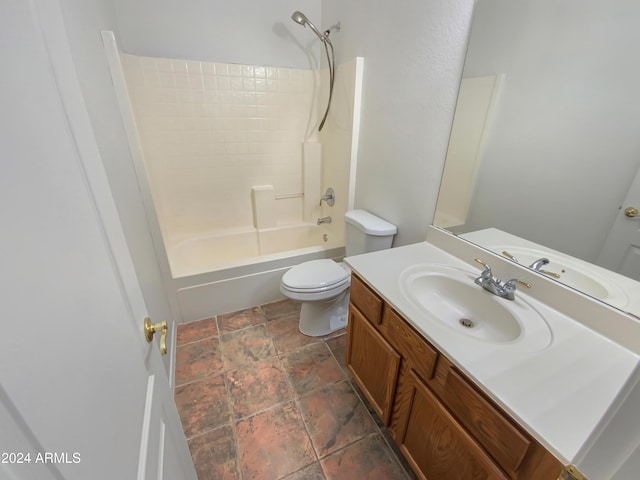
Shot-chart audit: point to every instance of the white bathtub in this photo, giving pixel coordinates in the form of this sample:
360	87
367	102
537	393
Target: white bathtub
224	272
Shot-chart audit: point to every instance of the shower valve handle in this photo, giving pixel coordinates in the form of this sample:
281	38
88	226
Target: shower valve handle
329	197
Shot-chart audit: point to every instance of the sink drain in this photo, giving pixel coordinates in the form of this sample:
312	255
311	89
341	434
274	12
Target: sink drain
465	322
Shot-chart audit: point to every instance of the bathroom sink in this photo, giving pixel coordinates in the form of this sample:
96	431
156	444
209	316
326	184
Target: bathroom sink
572	273
449	296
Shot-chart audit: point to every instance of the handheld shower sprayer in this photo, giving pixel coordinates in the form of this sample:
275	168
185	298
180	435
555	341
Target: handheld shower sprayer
301	19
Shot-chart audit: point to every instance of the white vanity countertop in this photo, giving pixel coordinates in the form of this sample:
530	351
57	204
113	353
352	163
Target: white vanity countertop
558	394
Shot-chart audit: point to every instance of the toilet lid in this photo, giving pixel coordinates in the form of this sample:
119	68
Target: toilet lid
315	274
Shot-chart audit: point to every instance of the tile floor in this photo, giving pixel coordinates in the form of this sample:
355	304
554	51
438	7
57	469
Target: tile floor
260	401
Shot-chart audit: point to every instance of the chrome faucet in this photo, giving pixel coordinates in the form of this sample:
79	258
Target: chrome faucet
541	262
538	264
324	220
494	285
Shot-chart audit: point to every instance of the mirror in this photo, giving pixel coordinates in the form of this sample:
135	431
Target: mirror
545	144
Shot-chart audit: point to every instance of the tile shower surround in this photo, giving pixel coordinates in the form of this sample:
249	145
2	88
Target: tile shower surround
211	131
259	400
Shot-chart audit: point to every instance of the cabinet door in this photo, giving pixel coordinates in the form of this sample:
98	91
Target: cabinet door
373	363
436	445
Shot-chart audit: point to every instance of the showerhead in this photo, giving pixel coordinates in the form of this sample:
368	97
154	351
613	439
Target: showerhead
301	18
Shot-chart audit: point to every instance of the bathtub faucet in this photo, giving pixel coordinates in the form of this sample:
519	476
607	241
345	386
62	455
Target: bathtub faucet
324	220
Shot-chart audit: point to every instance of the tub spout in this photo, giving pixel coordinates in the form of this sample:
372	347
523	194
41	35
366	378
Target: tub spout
324	220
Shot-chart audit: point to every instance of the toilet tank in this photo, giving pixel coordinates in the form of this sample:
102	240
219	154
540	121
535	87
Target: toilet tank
364	232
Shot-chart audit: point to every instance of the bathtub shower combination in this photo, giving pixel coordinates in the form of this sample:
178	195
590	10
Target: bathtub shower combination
194	256
234	169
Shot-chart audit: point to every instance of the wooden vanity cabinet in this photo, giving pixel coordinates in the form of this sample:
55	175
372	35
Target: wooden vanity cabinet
446	428
435	444
374	364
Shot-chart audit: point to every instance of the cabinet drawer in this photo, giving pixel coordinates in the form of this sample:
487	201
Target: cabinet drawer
501	438
367	302
417	351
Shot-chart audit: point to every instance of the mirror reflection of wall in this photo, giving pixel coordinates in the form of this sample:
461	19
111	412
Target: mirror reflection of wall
559	147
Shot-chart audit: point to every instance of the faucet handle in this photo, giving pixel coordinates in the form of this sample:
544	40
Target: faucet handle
487	267
329	197
510	256
509	288
512	283
549	274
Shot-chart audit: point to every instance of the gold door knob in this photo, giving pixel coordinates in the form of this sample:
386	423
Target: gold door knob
631	212
151	328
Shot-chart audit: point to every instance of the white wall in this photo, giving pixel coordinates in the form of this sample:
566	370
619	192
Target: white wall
564	145
414	52
232	31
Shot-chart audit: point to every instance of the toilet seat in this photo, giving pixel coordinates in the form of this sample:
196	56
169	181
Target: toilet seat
322	286
316	279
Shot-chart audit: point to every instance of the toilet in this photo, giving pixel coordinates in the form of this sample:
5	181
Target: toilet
323	285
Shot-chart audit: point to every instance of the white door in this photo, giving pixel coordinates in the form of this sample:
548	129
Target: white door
621	251
82	394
